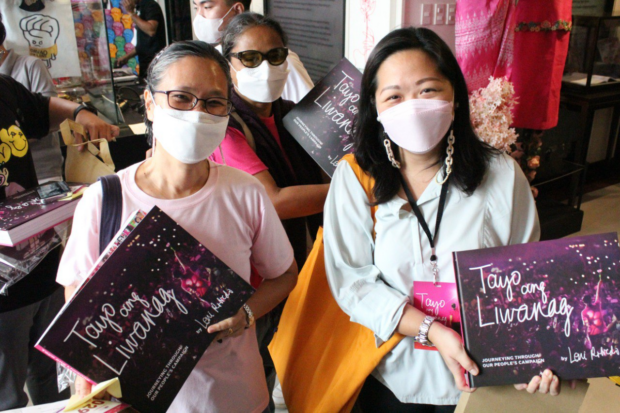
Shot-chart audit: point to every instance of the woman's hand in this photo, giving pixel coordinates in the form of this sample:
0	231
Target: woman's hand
450	346
231	327
82	387
547	383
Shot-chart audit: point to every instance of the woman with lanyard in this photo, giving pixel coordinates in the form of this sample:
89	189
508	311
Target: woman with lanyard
437	189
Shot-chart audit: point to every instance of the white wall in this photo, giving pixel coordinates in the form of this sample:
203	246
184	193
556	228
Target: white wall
162	4
367	22
257	6
412	16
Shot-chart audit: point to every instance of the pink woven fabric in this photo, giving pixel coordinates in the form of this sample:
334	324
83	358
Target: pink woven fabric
488	44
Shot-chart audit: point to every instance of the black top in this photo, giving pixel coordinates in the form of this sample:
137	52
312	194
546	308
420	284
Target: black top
23	115
147	46
306	172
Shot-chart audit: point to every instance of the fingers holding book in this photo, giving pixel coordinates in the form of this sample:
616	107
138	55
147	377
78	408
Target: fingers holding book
547	382
231	327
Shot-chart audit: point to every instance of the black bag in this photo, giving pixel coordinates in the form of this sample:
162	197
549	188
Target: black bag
111	209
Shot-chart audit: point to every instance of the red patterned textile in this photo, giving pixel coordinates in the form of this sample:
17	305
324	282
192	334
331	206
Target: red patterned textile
526	41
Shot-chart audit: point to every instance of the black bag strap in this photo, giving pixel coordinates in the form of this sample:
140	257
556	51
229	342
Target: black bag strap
111	209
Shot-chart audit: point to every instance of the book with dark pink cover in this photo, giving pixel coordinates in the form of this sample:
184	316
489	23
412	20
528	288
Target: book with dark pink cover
322	121
552	304
143	314
24	215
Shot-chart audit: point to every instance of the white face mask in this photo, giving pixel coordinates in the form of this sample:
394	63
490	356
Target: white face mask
264	83
189	136
208	30
417	125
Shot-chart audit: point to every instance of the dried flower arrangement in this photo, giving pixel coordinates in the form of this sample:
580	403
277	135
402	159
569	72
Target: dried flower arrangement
491	116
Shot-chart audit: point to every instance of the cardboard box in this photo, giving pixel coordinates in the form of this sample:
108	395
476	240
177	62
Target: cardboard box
599	395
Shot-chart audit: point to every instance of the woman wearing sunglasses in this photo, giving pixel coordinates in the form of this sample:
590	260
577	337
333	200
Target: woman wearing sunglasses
187	110
258	143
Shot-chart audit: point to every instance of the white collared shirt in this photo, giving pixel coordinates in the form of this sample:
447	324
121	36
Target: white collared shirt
372	280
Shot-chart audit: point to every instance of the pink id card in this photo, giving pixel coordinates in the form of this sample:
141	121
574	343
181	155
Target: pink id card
439	301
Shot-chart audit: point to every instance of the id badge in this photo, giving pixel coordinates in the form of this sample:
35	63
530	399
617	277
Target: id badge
440	301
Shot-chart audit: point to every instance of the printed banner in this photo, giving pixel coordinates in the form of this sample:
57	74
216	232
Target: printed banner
46	32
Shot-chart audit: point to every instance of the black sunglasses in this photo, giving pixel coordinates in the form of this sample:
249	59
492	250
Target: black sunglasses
253	58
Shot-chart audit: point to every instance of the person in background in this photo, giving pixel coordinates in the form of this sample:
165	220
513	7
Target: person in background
257	142
32	73
32	303
151	36
226	210
212	18
413	136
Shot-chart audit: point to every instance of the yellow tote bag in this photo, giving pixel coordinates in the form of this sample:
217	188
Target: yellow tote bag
321	357
88	165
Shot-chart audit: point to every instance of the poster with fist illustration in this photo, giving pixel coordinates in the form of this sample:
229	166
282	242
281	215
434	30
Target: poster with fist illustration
45	32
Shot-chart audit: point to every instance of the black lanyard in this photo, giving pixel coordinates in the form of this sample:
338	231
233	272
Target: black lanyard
416	210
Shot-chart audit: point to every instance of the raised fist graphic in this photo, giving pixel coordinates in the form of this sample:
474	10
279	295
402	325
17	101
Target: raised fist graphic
41	32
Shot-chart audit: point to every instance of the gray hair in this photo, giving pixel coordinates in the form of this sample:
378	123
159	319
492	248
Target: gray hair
243	22
172	54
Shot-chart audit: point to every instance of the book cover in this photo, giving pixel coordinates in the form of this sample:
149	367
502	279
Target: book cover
24	215
25	250
551	304
23	207
143	316
322	121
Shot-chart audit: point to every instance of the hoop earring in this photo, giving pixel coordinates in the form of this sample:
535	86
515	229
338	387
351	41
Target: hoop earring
449	160
388	149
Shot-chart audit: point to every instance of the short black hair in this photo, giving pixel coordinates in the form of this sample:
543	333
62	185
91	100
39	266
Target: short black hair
471	156
2	31
245	3
243	22
172	54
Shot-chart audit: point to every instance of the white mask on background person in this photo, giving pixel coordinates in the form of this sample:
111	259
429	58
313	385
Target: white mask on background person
208	30
417	125
189	136
264	83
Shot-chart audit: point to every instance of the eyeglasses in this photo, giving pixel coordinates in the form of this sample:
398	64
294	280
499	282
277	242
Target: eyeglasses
253	58
180	100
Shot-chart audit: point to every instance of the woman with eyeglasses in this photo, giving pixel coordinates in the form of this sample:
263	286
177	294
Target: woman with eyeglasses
187	108
258	143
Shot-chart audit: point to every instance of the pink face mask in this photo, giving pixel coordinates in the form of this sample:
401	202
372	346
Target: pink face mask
417	125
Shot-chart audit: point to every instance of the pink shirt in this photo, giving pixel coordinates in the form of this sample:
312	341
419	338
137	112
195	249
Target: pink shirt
239	154
270	122
234	218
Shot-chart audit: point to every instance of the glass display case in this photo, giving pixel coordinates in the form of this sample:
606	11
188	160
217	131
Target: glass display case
593	61
105	32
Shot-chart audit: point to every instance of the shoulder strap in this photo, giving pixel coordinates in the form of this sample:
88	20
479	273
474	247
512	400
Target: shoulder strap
246	131
365	180
111	209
